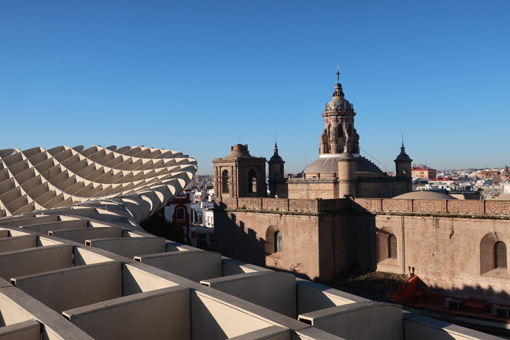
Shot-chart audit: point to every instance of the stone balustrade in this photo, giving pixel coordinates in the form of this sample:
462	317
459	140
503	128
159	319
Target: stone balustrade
454	207
283	204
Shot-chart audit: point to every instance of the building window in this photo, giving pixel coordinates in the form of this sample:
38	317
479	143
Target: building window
278	242
271	241
392	247
180	214
499	255
252	181
225	182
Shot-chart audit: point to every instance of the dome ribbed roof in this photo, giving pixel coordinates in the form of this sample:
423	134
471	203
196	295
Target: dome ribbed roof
424	195
339	103
330	165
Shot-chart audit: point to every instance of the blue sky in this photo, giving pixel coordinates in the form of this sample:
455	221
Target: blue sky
201	76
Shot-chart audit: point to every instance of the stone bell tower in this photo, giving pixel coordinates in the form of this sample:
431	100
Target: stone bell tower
338	125
239	174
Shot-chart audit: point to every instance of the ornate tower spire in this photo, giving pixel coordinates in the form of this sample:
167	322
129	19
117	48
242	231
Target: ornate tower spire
338	124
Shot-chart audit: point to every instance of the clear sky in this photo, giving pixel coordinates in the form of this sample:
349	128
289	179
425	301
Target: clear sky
201	76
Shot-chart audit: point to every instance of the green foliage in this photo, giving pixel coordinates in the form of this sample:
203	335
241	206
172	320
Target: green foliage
159	226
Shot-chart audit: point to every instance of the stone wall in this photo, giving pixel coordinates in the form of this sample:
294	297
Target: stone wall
312	189
447	253
449	243
241	235
454	207
320	238
381	187
284	204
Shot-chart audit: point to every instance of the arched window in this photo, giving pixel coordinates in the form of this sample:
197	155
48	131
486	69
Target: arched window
340	131
180	214
270	240
225	182
499	255
392	246
278	242
252	181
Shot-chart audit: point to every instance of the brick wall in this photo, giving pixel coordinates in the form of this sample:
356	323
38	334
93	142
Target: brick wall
454	207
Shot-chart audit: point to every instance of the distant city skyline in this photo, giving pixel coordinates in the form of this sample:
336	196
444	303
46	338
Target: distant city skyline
200	77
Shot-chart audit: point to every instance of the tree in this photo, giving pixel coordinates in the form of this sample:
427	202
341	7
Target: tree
159	226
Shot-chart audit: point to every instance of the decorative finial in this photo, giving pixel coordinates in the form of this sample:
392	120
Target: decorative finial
338	73
275	145
402	139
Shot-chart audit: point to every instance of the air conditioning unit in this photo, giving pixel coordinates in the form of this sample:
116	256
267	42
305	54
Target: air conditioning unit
453	304
501	311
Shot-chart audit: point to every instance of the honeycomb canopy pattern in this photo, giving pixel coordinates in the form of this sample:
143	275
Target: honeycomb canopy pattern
137	180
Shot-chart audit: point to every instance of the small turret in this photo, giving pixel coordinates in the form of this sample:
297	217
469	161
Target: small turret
403	165
276	175
346	174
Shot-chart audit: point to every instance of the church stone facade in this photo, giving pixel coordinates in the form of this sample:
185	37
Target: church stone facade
338	216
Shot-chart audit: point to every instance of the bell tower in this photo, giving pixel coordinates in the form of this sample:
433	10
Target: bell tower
338	125
239	174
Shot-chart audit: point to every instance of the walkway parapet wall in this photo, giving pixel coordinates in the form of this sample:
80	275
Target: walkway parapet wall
454	207
284	204
373	205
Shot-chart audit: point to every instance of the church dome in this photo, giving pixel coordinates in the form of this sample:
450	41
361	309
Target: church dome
329	165
339	103
424	195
